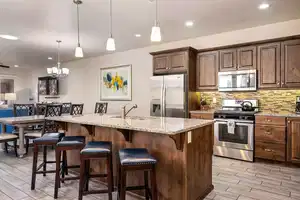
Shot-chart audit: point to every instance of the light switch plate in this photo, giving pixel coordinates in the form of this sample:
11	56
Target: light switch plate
189	137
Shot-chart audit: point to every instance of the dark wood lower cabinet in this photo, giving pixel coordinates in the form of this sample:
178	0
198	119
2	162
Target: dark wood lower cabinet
293	140
270	151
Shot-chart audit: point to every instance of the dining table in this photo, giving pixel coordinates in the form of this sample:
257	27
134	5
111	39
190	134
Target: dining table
21	123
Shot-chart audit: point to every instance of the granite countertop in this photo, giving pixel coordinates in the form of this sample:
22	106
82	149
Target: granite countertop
162	125
202	111
283	114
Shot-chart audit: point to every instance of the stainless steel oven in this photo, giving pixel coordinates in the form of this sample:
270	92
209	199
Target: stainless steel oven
240	138
245	80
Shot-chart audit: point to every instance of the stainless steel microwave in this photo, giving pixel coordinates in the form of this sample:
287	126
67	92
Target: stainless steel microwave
245	80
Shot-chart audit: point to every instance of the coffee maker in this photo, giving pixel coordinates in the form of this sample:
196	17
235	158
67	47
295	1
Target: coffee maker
298	105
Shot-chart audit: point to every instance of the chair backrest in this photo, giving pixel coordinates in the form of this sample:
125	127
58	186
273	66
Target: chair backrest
77	109
101	108
66	108
52	110
40	109
20	110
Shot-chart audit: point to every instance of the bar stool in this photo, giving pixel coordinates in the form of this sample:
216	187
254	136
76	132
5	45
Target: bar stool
132	159
50	137
95	150
67	143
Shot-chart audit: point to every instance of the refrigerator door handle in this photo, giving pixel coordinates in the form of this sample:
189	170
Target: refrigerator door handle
162	101
165	102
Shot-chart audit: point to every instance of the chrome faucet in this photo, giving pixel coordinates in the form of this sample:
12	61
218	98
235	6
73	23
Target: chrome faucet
124	112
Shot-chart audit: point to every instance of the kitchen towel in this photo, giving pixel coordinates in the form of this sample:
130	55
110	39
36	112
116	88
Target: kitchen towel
231	126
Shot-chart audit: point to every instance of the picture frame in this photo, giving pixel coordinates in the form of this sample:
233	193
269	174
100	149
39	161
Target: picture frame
116	83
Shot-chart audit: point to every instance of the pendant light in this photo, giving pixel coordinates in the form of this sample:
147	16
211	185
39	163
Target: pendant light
156	34
78	50
57	71
110	44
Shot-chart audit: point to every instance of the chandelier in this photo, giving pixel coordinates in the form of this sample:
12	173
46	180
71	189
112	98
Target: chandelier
57	71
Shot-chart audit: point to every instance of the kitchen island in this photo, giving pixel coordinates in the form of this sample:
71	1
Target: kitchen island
183	148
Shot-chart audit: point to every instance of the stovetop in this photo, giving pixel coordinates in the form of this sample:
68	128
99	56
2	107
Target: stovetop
235	114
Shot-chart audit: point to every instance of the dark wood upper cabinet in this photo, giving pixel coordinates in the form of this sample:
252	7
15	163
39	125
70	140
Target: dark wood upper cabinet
207	70
172	61
179	62
290	64
246	58
228	60
160	63
268	65
293	140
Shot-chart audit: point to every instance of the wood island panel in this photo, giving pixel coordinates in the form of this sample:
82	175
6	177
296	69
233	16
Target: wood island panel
181	174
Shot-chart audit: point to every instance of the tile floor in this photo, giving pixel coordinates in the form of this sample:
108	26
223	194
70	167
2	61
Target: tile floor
232	180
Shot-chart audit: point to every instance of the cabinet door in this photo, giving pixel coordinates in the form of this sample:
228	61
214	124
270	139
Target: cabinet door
160	64
53	87
178	62
246	58
269	65
42	87
293	140
207	70
290	59
228	60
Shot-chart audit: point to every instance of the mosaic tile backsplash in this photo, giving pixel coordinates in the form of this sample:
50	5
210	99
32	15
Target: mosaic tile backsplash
275	101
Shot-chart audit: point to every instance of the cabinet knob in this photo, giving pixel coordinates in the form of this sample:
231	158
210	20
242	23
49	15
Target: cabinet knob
289	121
268	133
282	83
268	150
278	83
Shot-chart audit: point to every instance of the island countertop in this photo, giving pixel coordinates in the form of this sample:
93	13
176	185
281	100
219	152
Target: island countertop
162	125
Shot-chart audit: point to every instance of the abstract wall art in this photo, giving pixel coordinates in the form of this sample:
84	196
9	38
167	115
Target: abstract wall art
115	83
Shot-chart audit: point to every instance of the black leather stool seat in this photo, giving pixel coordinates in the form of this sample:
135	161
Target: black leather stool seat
136	156
50	137
96	147
71	140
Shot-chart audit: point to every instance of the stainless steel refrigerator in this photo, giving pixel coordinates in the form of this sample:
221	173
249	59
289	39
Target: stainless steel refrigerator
169	96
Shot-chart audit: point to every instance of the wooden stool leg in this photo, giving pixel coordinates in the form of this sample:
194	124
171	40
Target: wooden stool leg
123	184
27	145
63	166
34	166
119	181
146	185
65	162
87	175
44	160
15	147
6	147
153	184
82	178
109	177
57	170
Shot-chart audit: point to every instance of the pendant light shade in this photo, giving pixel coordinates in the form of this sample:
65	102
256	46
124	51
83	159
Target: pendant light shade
110	44
156	33
78	50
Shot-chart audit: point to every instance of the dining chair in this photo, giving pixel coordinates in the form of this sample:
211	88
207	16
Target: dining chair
8	137
21	110
101	107
77	109
40	109
66	108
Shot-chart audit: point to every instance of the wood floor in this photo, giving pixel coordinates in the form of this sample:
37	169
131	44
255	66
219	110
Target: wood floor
232	180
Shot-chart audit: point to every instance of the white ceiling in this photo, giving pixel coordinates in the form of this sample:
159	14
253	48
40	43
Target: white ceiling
39	23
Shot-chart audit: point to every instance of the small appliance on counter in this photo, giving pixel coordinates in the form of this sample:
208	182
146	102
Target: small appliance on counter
234	129
297	105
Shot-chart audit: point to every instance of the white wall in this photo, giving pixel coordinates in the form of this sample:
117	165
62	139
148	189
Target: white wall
82	83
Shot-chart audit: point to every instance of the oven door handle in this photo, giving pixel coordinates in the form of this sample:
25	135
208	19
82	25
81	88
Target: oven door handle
243	124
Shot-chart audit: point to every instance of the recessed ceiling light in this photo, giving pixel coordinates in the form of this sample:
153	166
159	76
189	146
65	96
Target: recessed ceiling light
263	6
189	23
138	35
16	65
50	58
9	37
